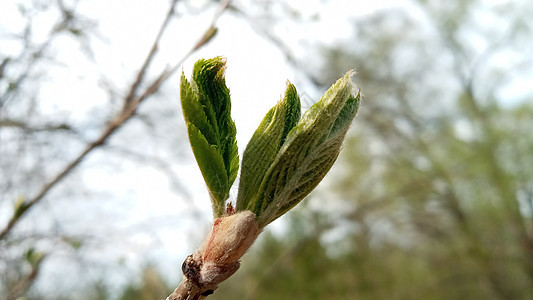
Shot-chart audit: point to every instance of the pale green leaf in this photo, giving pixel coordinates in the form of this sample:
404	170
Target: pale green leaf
308	153
211	166
265	144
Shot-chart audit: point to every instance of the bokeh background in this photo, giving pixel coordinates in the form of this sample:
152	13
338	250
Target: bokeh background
431	197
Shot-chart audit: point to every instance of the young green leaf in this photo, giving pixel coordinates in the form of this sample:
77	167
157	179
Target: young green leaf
206	106
308	153
265	144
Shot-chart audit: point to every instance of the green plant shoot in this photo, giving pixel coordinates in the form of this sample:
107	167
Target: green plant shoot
306	152
286	157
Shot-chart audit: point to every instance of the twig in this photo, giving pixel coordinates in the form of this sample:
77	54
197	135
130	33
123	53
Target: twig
24	283
219	256
187	290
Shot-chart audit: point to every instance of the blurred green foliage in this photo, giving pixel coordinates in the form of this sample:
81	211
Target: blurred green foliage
436	182
151	287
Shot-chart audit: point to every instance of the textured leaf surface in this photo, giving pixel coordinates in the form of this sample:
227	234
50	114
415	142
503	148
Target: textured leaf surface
265	144
206	107
308	153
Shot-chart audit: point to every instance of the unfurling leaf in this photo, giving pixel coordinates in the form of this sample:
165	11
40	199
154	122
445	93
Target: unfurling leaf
265	144
206	106
307	154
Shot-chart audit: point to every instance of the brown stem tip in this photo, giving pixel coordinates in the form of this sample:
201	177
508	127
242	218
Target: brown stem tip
218	257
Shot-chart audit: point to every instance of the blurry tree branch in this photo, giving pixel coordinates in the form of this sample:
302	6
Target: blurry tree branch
24	284
131	102
29	127
490	141
68	22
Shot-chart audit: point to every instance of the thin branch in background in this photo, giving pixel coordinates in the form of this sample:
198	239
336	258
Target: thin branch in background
13	123
65	23
35	260
131	103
